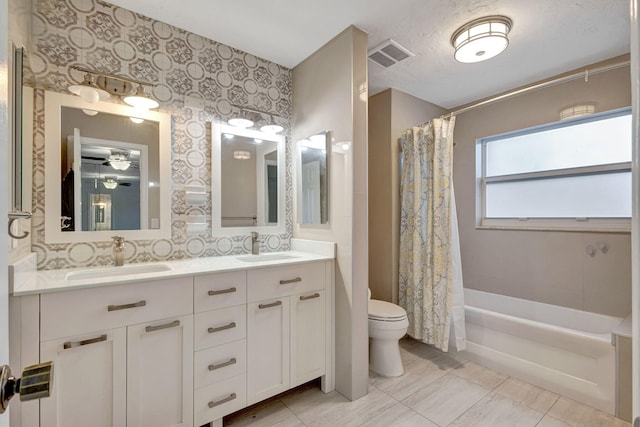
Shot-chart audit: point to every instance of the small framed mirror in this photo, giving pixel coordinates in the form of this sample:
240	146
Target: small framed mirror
107	170
312	179
248	181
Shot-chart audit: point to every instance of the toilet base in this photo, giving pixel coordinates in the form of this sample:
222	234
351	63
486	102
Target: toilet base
384	357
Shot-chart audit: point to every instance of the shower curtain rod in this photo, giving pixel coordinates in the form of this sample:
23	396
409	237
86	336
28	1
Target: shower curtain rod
582	74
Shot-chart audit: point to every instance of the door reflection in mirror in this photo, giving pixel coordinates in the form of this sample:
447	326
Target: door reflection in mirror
312	187
107	183
249	181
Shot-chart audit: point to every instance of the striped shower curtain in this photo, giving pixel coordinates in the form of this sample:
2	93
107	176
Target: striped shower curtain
430	282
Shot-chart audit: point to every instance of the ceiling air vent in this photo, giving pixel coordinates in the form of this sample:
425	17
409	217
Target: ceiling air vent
389	53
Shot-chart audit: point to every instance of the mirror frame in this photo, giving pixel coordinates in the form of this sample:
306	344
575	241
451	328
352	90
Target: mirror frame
217	129
54	102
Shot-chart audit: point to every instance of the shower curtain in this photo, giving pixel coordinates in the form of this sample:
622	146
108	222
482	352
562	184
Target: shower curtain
430	279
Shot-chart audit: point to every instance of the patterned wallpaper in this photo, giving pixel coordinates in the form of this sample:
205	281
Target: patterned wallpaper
114	40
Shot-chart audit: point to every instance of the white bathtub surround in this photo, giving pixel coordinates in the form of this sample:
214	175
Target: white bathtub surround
430	284
561	349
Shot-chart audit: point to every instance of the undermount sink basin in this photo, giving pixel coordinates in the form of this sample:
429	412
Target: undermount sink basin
265	257
116	271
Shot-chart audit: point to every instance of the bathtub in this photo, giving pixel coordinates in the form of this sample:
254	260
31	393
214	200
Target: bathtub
563	350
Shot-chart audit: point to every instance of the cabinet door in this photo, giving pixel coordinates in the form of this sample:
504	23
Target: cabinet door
267	348
89	380
160	373
308	333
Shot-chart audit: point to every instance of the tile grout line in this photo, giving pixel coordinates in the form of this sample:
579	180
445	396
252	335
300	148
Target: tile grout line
292	411
550	407
489	391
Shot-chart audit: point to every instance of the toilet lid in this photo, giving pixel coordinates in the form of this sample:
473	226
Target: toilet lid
385	310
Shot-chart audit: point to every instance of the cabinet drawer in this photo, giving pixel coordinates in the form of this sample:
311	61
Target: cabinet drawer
219	290
108	307
221	326
267	283
219	363
217	400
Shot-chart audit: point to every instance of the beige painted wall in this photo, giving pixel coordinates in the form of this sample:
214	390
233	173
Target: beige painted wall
390	113
550	267
329	93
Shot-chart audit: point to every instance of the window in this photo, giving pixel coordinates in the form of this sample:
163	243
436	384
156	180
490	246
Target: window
573	174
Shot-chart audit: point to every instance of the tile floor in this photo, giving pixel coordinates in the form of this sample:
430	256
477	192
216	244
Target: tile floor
435	390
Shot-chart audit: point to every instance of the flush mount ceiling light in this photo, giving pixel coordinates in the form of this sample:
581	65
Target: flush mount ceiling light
110	182
119	161
88	90
241	155
481	38
141	100
577	111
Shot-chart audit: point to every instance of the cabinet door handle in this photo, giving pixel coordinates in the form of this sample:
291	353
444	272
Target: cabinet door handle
165	326
125	306
229	398
287	281
273	304
229	362
74	344
304	298
222	291
221	328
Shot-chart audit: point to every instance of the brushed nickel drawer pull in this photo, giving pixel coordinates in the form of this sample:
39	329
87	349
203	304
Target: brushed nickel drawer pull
304	298
74	344
165	326
229	362
286	282
213	404
222	291
125	306
273	304
221	328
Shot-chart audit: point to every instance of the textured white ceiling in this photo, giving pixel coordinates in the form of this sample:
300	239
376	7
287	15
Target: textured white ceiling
548	36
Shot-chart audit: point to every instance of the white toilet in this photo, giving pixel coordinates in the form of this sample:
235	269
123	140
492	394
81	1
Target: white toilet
387	324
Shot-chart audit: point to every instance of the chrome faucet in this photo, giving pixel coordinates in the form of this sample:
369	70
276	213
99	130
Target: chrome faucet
255	247
118	250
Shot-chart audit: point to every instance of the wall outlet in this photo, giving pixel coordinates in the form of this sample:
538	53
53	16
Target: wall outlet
155	223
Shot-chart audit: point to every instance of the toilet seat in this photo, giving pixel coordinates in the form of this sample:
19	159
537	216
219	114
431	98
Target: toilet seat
386	311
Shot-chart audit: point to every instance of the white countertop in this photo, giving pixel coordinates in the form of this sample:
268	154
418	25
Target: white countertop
624	328
27	282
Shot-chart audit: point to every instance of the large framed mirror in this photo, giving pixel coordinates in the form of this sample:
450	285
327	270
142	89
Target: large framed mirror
312	185
248	181
107	170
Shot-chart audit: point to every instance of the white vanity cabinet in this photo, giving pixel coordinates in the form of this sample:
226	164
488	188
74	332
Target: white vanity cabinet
182	351
220	303
122	355
286	327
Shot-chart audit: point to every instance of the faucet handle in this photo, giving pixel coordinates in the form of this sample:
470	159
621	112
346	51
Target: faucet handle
254	235
118	241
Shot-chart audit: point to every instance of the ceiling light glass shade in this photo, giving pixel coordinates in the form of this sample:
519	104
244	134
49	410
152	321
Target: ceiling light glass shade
141	100
577	111
240	122
119	162
88	91
110	183
241	155
481	39
272	128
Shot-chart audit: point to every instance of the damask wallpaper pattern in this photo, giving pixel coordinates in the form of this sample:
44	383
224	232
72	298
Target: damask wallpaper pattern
109	39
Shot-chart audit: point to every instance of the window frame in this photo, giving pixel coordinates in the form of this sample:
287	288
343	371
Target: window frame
601	224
